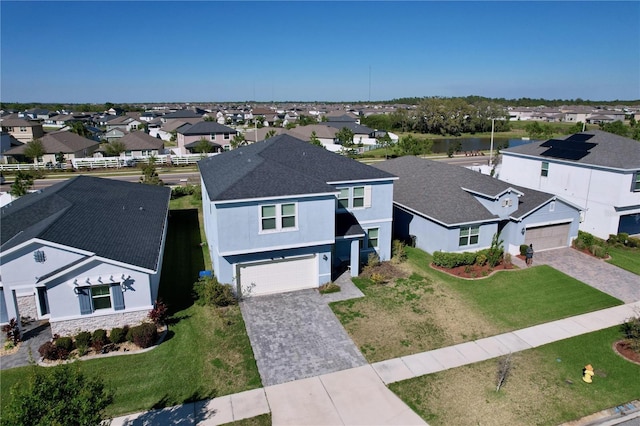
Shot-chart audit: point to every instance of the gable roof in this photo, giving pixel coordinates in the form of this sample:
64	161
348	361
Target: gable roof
62	141
593	147
206	128
19	122
141	140
356	128
322	131
444	192
280	166
183	113
117	220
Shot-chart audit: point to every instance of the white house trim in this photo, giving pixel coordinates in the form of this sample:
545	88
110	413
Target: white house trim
274	197
274	248
569	163
341	182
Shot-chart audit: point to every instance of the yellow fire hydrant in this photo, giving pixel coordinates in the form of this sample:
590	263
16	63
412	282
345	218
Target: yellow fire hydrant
587	372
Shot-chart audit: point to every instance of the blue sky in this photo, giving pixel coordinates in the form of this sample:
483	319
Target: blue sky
163	51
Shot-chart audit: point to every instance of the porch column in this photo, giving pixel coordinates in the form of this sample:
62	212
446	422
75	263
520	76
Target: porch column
355	258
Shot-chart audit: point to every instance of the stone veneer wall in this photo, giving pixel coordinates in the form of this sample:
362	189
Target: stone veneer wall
27	306
91	323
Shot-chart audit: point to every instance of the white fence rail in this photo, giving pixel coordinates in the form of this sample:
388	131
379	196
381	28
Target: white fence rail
111	162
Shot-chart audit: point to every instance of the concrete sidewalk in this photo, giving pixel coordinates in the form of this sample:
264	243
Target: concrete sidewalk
359	395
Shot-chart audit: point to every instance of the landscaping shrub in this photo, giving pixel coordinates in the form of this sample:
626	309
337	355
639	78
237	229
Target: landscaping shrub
586	238
524	247
598	251
83	339
631	331
579	244
329	287
210	292
117	335
51	352
481	259
622	237
12	331
633	242
64	343
373	259
378	278
144	335
398	251
159	313
452	260
181	191
99	339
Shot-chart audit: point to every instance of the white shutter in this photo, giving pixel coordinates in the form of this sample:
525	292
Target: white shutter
367	196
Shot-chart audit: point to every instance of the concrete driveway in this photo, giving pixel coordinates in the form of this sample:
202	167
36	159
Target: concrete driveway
295	336
597	273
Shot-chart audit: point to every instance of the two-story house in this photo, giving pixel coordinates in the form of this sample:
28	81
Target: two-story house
218	136
444	207
23	130
283	214
85	253
596	170
69	144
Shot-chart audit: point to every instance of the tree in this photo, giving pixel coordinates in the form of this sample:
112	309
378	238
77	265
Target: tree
58	396
174	135
305	120
271	133
385	142
78	128
209	118
60	158
238	140
576	128
34	150
21	184
345	136
617	128
149	173
410	145
114	148
313	139
203	146
539	131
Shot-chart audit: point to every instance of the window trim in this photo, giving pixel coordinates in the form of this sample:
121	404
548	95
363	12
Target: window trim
104	296
279	218
635	182
469	236
351	199
377	238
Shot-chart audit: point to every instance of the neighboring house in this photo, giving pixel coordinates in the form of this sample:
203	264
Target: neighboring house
140	144
282	215
23	130
596	170
85	254
125	123
217	134
255	134
114	134
54	143
59	121
443	207
35	114
325	134
6	143
362	135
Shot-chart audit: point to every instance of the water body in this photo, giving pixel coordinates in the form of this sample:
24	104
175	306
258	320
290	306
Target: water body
474	144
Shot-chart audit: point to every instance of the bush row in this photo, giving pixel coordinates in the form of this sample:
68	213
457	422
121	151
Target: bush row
480	258
143	335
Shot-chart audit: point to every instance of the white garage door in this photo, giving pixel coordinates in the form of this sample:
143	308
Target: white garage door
547	237
280	275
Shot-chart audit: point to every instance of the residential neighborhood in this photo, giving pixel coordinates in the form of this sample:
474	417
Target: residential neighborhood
285	217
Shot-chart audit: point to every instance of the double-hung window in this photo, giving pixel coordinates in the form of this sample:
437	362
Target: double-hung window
278	217
544	171
356	197
101	297
343	198
636	182
469	235
372	237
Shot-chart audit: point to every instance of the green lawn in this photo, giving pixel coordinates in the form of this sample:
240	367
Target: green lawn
430	309
207	352
625	258
545	386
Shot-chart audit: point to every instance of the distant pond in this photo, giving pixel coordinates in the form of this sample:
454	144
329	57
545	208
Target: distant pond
474	144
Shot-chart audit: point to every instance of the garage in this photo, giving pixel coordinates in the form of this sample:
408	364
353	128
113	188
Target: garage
629	224
548	236
276	276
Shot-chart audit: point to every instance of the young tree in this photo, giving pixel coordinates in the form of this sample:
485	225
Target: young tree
271	133
385	142
21	184
34	150
149	174
114	148
313	140
203	146
238	140
78	128
617	128
58	396
60	158
345	136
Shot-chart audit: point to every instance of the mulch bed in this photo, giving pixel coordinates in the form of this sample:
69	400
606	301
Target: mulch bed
474	271
623	348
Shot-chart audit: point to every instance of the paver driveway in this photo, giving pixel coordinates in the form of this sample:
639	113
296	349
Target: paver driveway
597	273
295	335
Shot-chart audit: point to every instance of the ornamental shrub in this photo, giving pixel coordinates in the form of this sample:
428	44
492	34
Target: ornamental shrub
524	247
144	335
159	313
64	343
598	251
210	292
52	352
99	339
481	259
452	260
83	339
12	331
117	335
633	242
586	238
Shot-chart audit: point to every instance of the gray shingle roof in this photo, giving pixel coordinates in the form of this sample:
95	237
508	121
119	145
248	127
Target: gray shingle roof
279	166
187	113
354	127
62	141
441	191
141	140
206	128
117	220
593	147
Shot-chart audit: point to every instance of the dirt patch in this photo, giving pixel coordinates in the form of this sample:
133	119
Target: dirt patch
624	349
474	271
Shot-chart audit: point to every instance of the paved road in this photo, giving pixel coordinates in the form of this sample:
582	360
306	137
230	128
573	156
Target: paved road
295	335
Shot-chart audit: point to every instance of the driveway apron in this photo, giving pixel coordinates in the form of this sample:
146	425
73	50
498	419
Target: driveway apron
295	336
597	273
